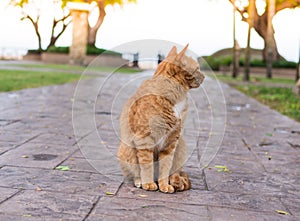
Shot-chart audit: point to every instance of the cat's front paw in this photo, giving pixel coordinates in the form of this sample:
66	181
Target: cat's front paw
166	188
138	182
149	186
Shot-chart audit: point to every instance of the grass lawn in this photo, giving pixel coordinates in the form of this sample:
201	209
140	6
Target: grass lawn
39	75
12	80
256	79
65	67
280	98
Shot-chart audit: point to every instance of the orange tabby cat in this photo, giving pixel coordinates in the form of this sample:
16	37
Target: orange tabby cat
151	125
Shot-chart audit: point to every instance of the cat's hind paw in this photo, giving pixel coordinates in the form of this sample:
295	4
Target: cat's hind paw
186	180
150	186
180	182
177	182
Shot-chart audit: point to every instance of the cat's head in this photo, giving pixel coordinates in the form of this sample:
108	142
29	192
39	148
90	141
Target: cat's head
181	67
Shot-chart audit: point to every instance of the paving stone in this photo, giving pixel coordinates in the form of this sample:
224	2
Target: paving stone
7	136
112	208
230	214
57	181
43	205
245	201
80	164
37	155
292	202
56	139
5	146
254	183
6	193
35	140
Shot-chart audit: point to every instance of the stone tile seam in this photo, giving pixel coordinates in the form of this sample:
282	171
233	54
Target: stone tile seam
208	205
18	145
92	208
8	198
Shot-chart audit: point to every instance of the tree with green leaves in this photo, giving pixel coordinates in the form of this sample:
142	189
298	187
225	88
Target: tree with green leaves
260	22
32	11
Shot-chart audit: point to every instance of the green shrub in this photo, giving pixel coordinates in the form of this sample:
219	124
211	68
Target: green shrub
215	63
284	64
97	51
54	49
211	62
257	63
280	99
225	61
90	50
33	51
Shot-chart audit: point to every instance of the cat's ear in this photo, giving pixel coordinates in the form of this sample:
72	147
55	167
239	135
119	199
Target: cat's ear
173	52
180	55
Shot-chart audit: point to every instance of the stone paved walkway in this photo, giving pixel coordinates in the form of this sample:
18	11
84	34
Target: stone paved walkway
255	172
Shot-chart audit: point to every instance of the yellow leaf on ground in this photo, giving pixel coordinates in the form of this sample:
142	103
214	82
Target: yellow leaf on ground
222	168
143	195
26	215
282	212
38	189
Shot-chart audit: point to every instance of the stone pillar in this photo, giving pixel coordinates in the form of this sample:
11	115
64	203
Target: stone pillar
79	13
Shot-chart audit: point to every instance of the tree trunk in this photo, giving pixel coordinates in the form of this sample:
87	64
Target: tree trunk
251	14
55	23
260	26
234	52
270	38
36	29
92	34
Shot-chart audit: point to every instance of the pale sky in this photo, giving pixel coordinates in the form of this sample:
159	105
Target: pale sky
205	24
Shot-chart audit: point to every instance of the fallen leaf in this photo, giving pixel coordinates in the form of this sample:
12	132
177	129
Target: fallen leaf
62	168
222	168
143	195
282	212
38	189
24	156
26	215
109	193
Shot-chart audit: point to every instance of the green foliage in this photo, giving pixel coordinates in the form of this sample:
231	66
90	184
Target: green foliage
12	80
278	98
54	49
284	64
97	51
90	50
216	62
281	99
255	79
